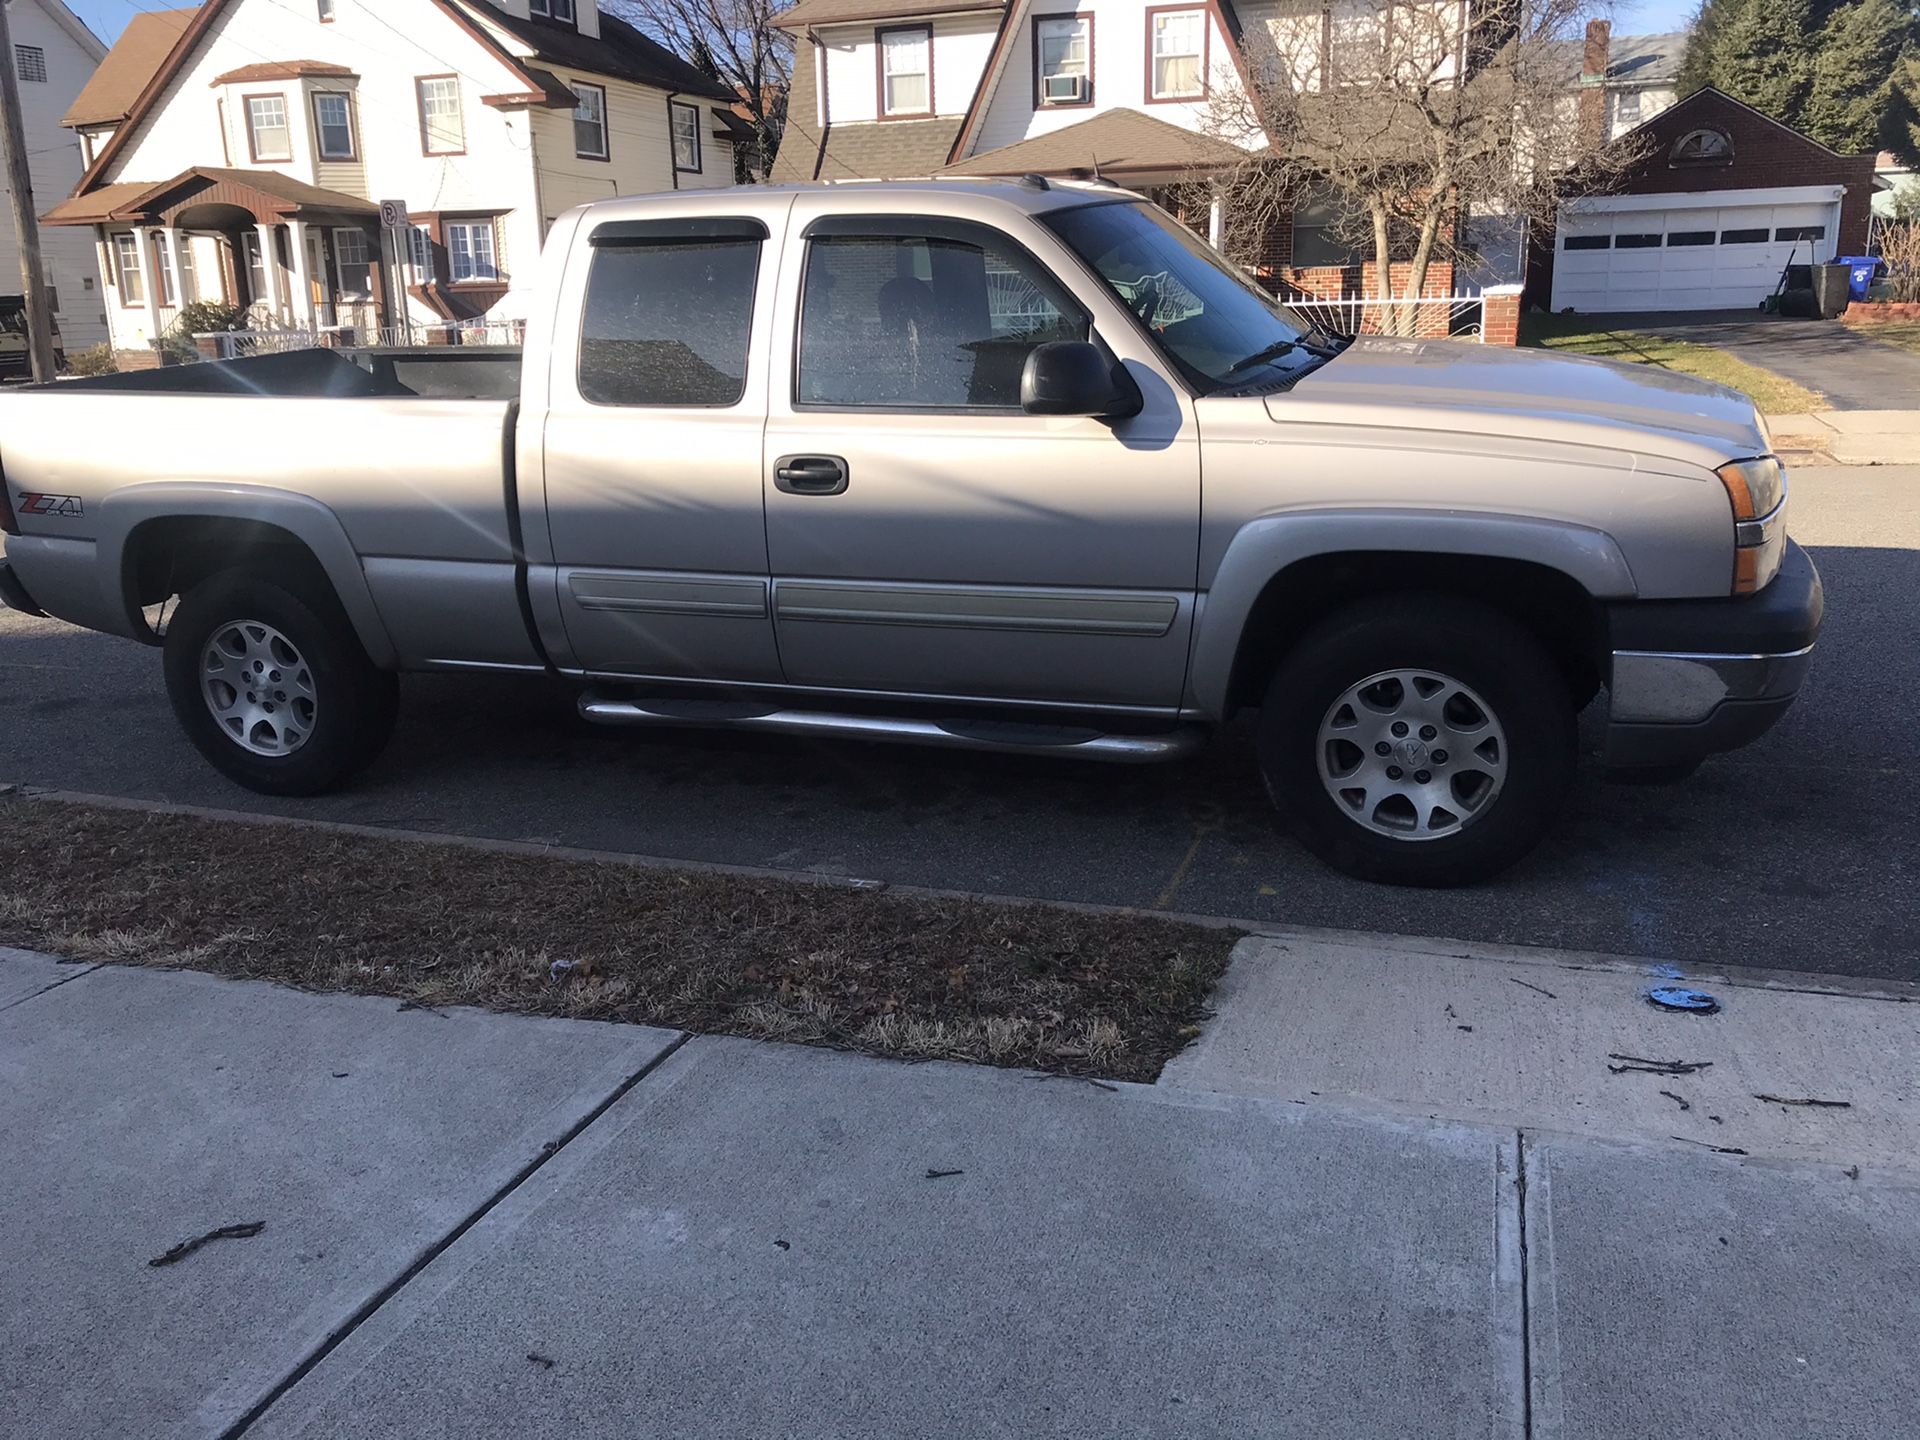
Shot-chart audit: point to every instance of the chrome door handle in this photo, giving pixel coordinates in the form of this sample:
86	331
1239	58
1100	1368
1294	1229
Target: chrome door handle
810	474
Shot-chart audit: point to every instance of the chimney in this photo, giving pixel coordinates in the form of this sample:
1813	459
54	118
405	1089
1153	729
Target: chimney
1593	84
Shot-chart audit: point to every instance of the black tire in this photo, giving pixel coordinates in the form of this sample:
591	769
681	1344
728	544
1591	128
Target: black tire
354	702
1468	642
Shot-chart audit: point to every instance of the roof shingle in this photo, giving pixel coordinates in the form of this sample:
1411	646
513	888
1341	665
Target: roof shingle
1116	141
136	56
850	12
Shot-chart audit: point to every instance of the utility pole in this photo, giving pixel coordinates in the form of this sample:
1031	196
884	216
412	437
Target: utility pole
26	225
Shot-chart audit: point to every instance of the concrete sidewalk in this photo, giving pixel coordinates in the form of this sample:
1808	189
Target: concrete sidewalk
479	1224
1850	437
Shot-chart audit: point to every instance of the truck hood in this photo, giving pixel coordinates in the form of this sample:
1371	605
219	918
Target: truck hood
1465	389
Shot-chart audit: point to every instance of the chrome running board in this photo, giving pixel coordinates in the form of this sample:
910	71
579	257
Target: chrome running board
1008	736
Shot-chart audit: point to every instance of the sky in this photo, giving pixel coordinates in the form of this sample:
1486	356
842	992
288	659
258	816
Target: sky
1647	17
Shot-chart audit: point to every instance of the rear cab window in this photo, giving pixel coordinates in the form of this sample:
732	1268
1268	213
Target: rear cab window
668	312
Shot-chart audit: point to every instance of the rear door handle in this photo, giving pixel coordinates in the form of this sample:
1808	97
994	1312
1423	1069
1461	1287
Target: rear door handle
810	474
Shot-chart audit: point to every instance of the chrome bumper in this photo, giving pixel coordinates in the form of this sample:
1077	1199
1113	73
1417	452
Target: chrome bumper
1652	687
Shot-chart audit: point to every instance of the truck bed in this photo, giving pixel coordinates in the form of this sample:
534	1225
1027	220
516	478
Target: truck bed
440	372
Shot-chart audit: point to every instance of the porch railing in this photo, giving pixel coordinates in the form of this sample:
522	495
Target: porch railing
1427	317
237	344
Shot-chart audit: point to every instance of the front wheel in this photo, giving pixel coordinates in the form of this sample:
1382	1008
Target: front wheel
1418	740
272	686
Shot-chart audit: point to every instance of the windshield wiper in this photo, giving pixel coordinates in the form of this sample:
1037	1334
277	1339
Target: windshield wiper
1274	352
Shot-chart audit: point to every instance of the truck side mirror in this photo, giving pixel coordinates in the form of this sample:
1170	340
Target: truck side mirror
1073	377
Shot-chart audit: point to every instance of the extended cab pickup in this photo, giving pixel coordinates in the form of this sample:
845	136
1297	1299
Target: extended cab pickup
1019	466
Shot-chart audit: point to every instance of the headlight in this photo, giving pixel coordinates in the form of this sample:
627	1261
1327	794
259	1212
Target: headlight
1756	487
1757	490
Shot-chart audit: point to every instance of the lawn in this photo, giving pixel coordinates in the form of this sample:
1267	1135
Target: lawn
1589	335
1905	334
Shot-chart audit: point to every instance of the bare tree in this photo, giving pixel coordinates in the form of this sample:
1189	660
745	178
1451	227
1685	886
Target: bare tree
735	42
1390	121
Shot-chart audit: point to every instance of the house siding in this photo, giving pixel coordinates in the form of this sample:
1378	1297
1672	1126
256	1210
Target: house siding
1119	75
54	165
960	47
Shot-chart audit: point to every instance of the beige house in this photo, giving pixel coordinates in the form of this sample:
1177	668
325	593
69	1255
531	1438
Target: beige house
240	152
54	56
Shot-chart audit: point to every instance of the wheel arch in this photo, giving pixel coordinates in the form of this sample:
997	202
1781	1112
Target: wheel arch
1283	575
160	539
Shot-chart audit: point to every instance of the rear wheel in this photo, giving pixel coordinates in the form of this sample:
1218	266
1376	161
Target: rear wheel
272	686
1418	740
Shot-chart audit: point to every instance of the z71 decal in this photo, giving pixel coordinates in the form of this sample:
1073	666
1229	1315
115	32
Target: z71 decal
67	507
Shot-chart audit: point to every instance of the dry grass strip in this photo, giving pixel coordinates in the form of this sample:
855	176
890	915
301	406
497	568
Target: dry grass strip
901	975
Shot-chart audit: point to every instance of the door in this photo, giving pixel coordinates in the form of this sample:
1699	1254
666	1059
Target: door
929	538
1687	257
318	288
652	452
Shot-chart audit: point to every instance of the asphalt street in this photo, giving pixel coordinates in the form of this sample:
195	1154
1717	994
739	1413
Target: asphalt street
1800	852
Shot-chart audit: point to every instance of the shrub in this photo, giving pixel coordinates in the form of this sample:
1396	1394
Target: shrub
94	360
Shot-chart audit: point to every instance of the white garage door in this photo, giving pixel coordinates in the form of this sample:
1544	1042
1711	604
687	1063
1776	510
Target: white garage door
1687	257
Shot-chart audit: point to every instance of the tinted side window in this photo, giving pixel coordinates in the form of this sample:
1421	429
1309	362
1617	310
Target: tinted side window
922	323
666	322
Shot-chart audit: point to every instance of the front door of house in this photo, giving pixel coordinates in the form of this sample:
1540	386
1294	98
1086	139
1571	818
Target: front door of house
322	292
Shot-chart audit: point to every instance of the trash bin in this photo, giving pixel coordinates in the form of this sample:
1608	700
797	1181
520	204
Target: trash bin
1830	287
1860	273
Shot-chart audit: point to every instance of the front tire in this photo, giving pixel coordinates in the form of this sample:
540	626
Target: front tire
1418	740
272	685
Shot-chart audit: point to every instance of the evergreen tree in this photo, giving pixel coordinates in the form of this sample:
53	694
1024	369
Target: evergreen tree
1846	72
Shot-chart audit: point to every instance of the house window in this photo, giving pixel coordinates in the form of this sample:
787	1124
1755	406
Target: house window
554	9
1690	237
267	134
666	324
1355	42
333	125
1317	235
1063	59
1702	147
686	137
1801	232
442	129
589	122
1744	237
325	8
1585	242
189	278
30	63
906	71
420	252
353	261
470	252
923	322
163	266
1642	240
1176	61
1626	109
126	259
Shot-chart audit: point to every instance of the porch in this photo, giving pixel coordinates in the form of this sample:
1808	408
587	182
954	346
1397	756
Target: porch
288	255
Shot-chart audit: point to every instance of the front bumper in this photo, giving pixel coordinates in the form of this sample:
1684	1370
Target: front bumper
1691	678
13	593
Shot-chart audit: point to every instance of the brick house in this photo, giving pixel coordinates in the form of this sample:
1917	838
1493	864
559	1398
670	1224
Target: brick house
1720	199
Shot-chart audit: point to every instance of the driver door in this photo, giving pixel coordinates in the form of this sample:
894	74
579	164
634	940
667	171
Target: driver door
926	536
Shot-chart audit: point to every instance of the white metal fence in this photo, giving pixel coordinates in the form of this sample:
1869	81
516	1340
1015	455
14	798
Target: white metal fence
1433	317
237	344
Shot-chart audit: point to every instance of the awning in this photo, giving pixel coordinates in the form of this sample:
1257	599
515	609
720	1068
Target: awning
266	195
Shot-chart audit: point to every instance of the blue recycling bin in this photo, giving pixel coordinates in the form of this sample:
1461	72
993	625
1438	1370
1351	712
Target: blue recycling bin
1860	272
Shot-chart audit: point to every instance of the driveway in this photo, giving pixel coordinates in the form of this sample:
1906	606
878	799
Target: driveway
1799	852
1854	371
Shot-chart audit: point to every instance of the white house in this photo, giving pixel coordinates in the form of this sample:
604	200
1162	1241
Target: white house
54	55
239	152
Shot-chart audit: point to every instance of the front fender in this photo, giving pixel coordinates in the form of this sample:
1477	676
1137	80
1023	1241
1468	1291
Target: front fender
1265	547
306	519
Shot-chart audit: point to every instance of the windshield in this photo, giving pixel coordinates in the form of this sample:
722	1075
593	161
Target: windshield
1210	321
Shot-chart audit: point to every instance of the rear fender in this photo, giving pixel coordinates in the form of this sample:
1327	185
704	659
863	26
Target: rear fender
311	523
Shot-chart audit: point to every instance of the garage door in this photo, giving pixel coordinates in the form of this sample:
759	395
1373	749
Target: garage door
1684	258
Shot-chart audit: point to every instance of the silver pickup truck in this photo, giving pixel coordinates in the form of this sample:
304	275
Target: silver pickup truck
1016	466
